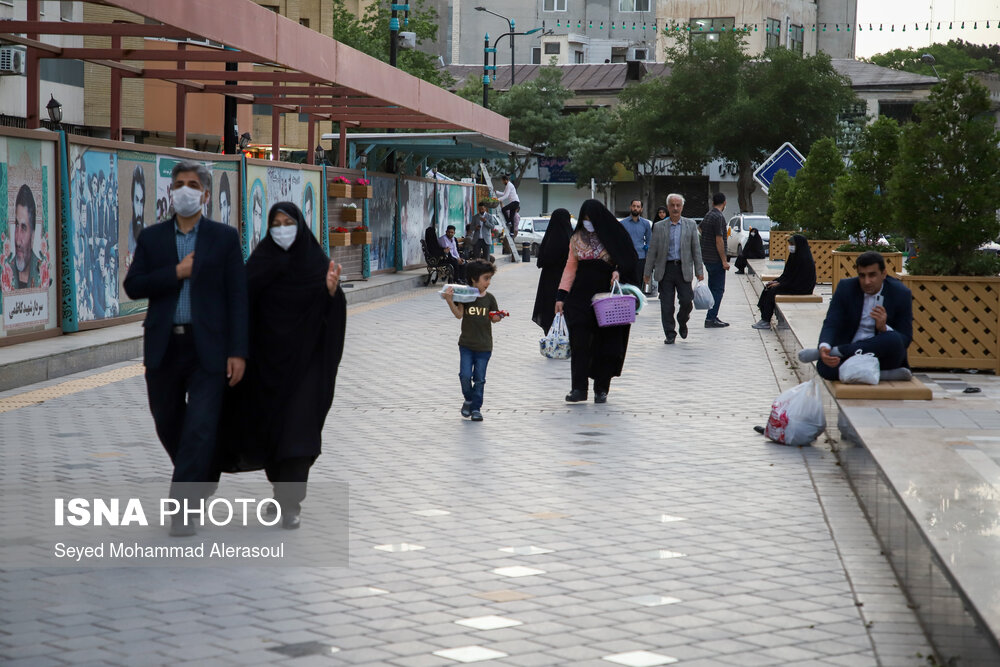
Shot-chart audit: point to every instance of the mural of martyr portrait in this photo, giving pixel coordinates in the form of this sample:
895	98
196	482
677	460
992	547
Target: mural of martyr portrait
257	206
23	262
138	194
307	205
225	200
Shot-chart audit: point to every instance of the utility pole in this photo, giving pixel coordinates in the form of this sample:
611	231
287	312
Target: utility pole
486	70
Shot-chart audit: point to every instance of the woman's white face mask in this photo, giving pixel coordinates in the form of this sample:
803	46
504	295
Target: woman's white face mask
284	235
791	248
589	226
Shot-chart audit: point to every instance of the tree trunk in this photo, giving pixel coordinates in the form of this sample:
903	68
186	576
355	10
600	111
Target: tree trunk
745	185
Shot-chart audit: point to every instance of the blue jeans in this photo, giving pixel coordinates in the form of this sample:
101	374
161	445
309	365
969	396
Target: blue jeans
472	374
717	286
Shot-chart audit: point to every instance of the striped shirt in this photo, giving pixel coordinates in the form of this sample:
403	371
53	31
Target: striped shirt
185	246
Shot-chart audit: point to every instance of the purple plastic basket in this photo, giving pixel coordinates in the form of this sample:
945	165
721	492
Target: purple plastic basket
615	310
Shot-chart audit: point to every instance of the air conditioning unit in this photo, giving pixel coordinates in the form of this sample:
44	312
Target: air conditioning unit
636	53
12	60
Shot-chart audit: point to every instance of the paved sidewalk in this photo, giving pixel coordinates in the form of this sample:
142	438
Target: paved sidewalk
657	527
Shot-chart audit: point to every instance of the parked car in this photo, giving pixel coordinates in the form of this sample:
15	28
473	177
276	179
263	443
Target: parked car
739	230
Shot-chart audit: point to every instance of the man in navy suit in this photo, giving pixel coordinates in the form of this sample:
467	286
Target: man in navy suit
191	270
872	313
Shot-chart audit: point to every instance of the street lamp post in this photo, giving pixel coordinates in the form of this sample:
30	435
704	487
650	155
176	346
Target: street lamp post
510	22
486	70
512	35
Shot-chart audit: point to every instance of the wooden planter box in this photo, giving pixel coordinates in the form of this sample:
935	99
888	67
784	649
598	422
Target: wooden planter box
340	238
342	190
778	244
361	238
844	265
822	252
348	214
956	322
362	191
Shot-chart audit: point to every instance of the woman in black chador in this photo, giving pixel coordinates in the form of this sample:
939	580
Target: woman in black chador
298	315
754	249
600	252
551	260
799	277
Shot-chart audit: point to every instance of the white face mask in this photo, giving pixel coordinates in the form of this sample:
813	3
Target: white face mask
187	201
284	235
791	248
589	226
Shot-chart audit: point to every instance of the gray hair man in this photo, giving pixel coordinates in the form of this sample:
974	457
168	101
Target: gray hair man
674	258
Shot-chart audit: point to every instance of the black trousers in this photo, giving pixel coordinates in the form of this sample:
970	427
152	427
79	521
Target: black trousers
586	358
508	214
289	477
457	269
186	400
670	284
888	347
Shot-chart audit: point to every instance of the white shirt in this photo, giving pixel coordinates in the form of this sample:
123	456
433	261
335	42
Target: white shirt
509	194
449	245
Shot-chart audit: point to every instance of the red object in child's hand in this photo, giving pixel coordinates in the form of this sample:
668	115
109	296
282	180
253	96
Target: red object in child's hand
500	313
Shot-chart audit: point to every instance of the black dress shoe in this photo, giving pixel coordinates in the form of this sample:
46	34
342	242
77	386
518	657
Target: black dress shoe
291	521
715	324
576	396
759	429
682	329
740	273
669	340
600	397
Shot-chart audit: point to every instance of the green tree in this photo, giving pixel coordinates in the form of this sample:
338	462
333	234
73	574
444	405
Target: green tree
945	187
369	34
862	205
642	143
590	142
955	56
813	201
780	198
535	111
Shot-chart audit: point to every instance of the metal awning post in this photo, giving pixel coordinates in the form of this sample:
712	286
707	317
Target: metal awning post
275	133
33	101
116	95
342	147
311	142
180	124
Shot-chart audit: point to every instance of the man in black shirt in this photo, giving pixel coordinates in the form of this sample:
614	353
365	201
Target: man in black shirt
713	252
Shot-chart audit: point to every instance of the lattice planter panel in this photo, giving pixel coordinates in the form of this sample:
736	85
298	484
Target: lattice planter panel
778	244
822	252
844	265
956	322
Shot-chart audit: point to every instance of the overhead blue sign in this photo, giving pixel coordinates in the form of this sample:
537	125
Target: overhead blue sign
786	158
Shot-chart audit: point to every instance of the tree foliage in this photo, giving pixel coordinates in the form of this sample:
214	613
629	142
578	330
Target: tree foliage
780	200
813	203
863	207
718	102
955	56
590	142
369	34
535	111
945	187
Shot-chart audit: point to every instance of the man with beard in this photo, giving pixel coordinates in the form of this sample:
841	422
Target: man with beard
138	206
23	262
225	200
257	219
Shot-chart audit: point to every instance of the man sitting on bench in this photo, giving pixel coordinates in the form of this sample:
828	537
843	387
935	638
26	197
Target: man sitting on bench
872	313
447	242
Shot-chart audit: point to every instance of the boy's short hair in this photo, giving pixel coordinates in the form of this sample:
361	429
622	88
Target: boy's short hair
477	268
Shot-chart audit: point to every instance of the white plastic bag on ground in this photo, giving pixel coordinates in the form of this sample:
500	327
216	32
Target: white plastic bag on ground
555	344
860	368
703	299
797	415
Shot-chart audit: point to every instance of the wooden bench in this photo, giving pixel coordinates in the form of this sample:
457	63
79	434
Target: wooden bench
911	390
798	298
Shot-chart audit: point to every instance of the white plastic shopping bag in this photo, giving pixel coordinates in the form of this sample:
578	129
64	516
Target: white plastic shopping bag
555	344
461	293
703	299
797	415
860	368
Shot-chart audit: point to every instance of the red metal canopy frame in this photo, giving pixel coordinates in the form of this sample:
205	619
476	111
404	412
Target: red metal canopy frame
312	74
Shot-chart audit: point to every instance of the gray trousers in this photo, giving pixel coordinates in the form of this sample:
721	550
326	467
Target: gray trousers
672	285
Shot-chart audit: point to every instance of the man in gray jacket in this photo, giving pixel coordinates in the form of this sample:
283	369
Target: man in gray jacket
674	258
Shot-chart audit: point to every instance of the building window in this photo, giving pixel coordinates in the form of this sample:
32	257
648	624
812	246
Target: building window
554	6
797	38
66	10
552	48
273	8
304	22
536	55
710	29
579	56
633	5
773	33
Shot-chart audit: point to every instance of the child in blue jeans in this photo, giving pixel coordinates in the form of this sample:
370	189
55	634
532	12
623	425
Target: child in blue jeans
475	345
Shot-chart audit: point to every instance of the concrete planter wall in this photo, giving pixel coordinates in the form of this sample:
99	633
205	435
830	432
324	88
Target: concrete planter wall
956	322
844	265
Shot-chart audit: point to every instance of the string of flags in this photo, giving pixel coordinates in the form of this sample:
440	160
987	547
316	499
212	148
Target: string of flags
767	27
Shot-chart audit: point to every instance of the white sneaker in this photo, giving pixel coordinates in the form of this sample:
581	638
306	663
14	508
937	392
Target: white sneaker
763	324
